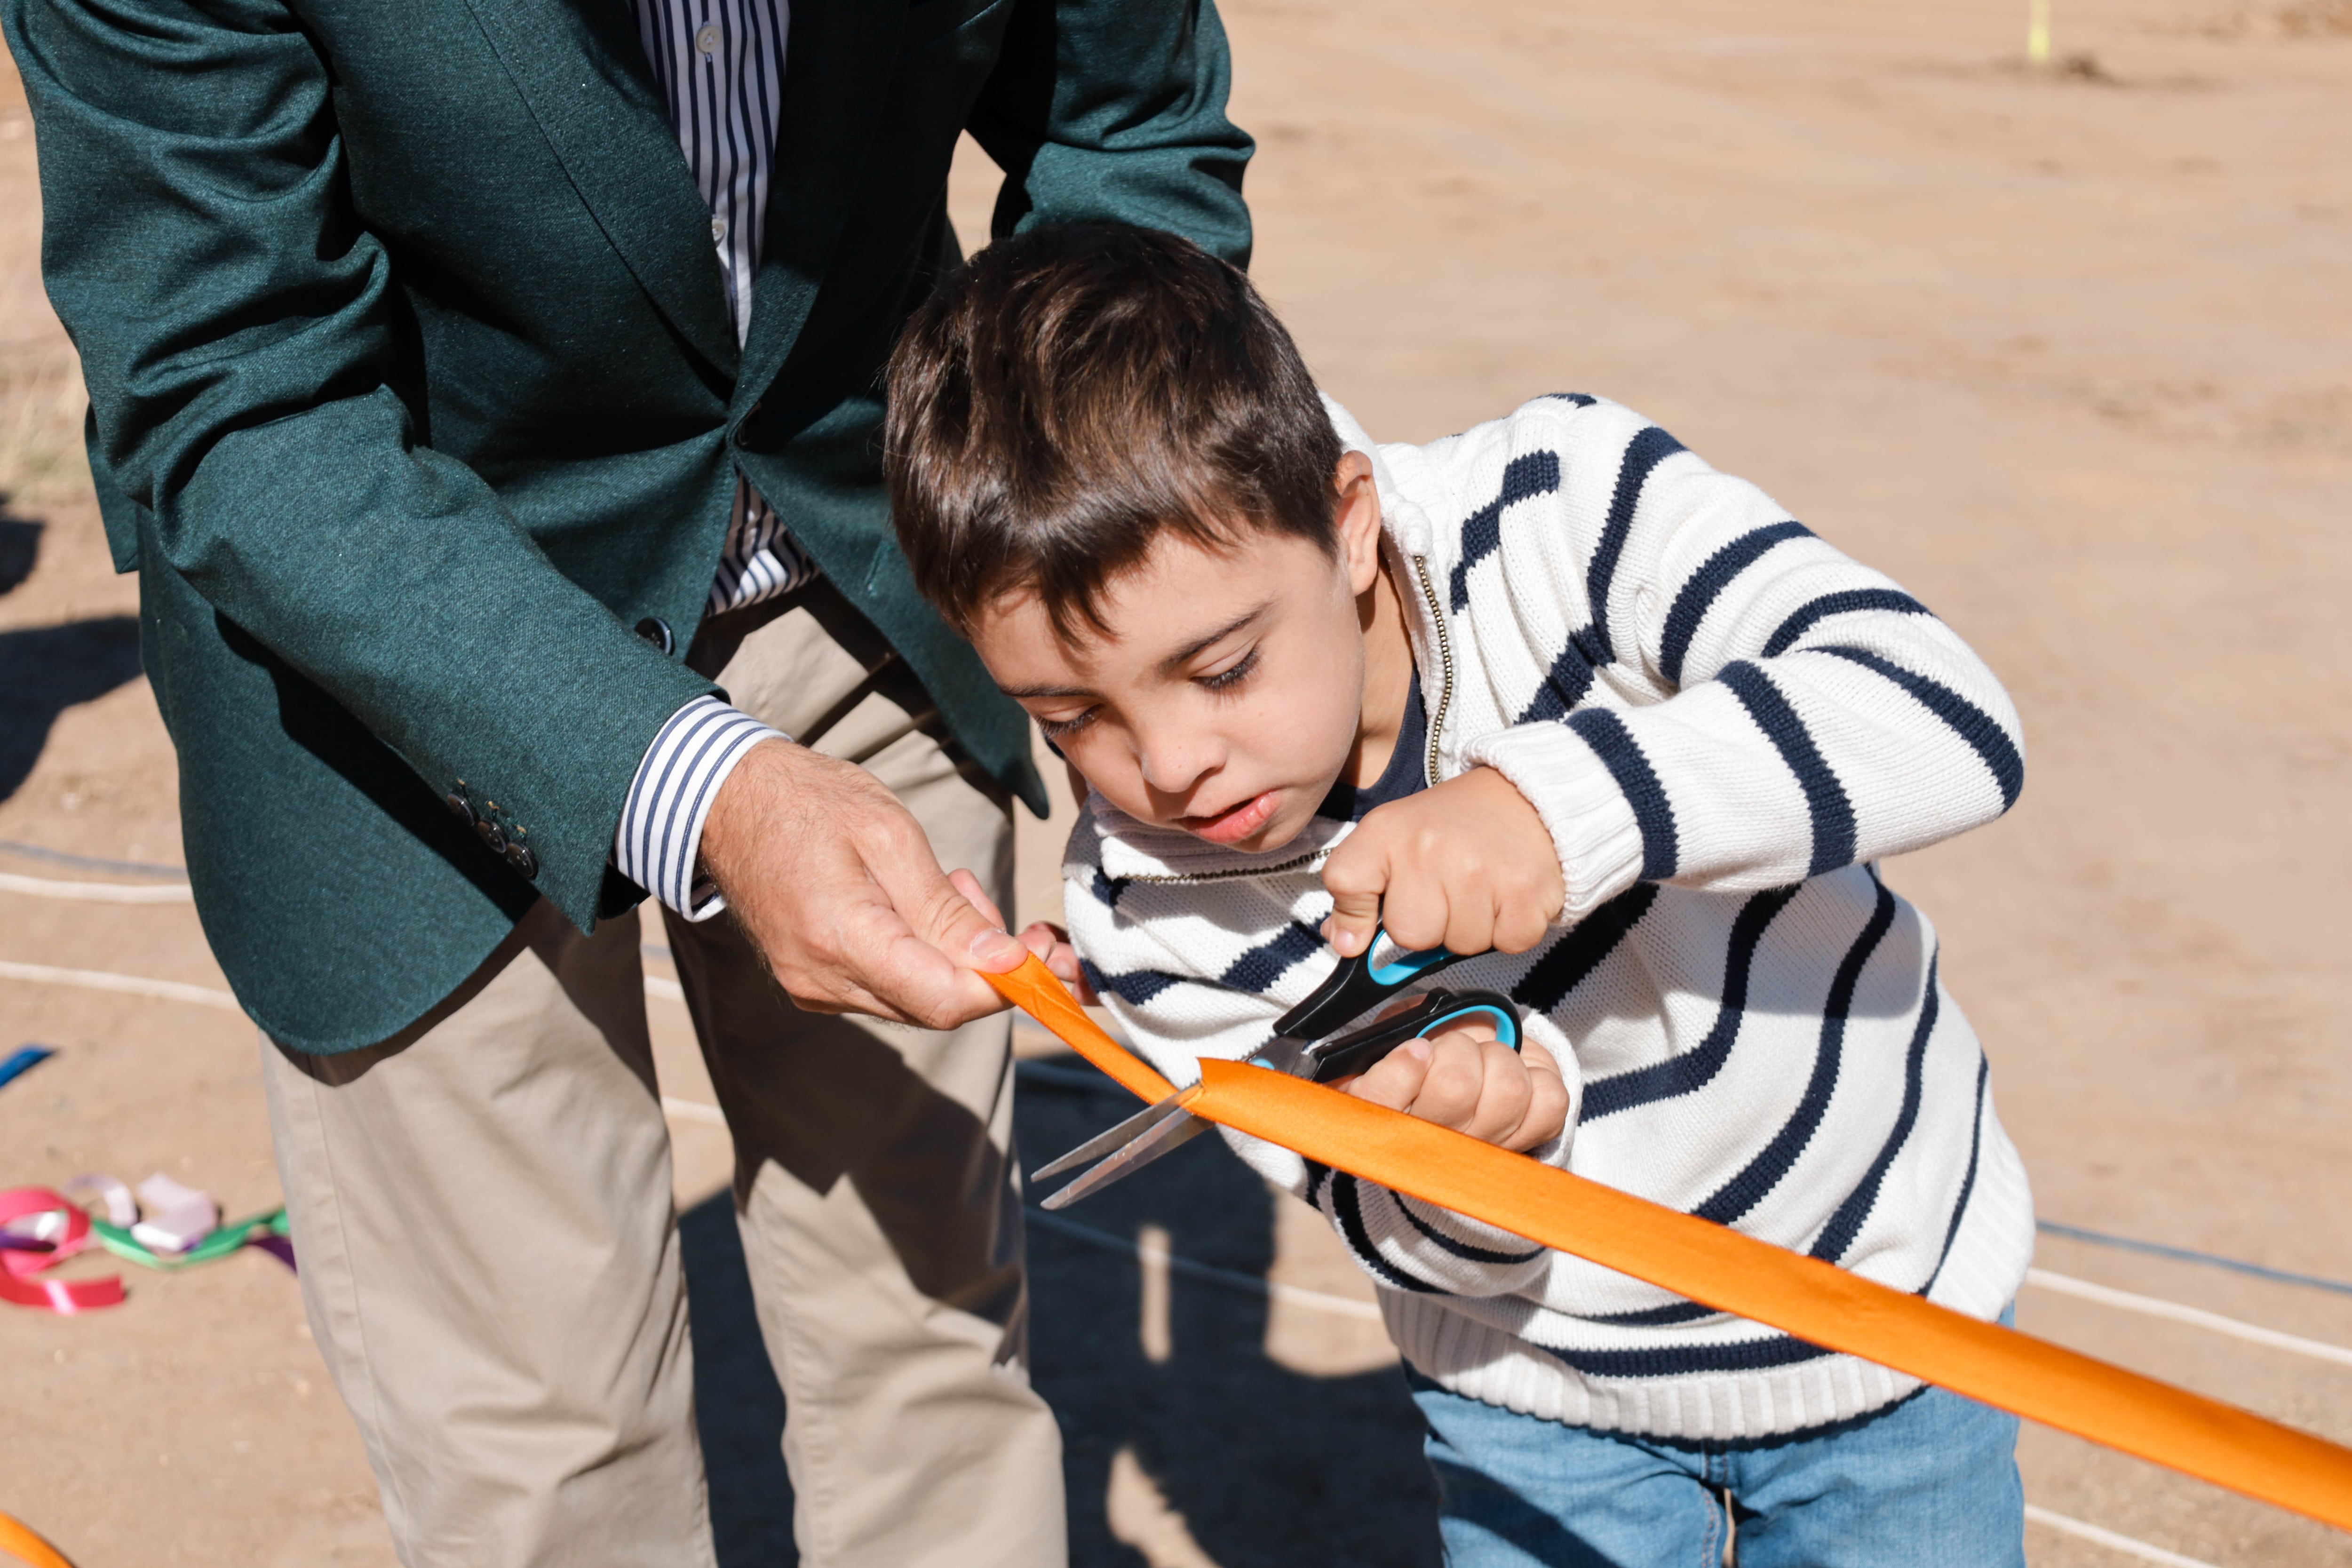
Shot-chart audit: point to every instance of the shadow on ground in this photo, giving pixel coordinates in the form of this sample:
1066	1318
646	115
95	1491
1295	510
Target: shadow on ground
1270	1469
44	670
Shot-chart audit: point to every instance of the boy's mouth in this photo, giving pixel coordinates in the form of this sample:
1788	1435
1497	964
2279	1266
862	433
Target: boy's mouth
1233	826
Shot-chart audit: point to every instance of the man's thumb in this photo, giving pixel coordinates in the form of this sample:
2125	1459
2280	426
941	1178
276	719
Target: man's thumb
958	928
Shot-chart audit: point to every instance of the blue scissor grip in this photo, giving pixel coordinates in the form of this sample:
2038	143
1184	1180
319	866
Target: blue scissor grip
1406	965
1506	1027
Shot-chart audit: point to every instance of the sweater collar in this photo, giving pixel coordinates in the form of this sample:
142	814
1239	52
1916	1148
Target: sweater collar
1138	851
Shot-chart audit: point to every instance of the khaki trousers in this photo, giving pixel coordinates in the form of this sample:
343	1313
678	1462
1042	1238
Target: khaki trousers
490	1253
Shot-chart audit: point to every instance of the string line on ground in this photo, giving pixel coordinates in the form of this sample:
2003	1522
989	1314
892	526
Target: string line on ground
98	892
2197	1317
2111	1540
91	862
2189	1255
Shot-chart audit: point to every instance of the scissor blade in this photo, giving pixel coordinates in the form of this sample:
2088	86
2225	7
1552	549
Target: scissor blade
1117	1138
1173	1133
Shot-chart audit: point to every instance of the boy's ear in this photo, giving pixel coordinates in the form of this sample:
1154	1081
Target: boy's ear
1355	507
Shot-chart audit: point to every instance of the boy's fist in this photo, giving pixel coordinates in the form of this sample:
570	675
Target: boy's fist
1466	1079
1465	865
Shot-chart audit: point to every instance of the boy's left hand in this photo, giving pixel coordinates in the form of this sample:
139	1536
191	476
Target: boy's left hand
1465	865
1466	1079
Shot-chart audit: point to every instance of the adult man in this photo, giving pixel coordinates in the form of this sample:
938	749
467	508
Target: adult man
468	439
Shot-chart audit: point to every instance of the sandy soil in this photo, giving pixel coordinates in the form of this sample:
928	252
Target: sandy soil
2066	353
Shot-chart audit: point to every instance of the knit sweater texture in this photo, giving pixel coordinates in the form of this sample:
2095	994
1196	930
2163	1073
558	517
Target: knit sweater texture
1723	723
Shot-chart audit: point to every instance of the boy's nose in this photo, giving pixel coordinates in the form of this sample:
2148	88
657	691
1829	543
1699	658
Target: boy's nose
1172	764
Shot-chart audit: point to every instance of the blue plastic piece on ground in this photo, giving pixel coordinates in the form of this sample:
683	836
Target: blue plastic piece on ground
23	1061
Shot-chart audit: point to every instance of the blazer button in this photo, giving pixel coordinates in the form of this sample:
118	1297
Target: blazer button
656	630
525	863
489	834
459	809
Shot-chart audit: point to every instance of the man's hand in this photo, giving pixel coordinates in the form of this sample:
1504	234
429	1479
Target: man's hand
1465	865
1466	1079
836	882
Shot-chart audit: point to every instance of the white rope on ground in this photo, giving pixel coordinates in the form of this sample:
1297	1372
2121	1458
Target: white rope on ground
2196	1317
129	984
1230	1278
2110	1539
98	892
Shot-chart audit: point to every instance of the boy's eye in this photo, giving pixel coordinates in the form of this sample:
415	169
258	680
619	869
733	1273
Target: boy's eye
1061	729
1226	679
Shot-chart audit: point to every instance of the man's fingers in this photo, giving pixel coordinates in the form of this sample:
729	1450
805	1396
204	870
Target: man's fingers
964	882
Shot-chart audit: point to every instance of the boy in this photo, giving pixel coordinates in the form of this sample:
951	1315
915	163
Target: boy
1554	692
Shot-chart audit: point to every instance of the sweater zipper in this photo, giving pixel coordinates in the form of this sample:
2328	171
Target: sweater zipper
1445	663
1429	763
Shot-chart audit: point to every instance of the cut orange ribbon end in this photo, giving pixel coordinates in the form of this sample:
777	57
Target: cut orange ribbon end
1718	1266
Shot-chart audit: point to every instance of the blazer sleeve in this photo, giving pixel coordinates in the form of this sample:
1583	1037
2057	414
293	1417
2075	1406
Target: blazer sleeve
1113	111
238	334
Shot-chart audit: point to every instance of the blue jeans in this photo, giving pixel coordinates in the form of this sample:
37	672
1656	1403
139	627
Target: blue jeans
1929	1483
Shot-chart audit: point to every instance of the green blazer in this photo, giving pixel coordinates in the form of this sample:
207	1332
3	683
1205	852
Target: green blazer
413	392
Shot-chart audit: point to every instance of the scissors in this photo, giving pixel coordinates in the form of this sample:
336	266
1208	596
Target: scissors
1299	1046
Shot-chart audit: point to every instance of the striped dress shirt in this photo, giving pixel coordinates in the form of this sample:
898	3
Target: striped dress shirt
721	67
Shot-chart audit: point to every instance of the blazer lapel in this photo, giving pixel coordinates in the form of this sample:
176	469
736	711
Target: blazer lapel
838	65
582	71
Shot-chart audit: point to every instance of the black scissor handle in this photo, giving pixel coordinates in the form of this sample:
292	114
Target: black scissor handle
1357	1052
1357	986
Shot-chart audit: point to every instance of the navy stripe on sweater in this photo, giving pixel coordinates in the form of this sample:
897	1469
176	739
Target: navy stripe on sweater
1458	1247
1345	1208
1269	960
1972	723
1615	747
1714	575
1566	962
1135	987
1750	1187
1744	1355
1564	684
1529	474
1844	1225
1643	454
1831	813
1672	1313
1805	617
1968	1179
1694	1070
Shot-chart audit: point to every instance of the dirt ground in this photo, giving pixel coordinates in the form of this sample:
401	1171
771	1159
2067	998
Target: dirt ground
2067	351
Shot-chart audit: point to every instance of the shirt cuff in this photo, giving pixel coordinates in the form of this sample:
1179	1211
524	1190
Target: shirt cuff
659	843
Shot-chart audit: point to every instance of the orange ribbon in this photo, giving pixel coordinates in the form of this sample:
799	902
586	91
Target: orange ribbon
18	1539
1717	1267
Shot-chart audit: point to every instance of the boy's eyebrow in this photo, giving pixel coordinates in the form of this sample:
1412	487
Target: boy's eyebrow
1177	660
1018	692
1192	650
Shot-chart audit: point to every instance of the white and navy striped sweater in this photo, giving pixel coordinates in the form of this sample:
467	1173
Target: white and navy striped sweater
1723	722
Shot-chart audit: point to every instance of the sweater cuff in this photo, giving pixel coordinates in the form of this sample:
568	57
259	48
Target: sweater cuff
659	843
1591	822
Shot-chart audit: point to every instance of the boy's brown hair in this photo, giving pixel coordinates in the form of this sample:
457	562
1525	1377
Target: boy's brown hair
1069	393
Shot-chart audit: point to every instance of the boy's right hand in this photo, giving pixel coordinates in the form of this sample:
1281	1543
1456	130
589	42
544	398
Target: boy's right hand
1467	1078
1466	865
